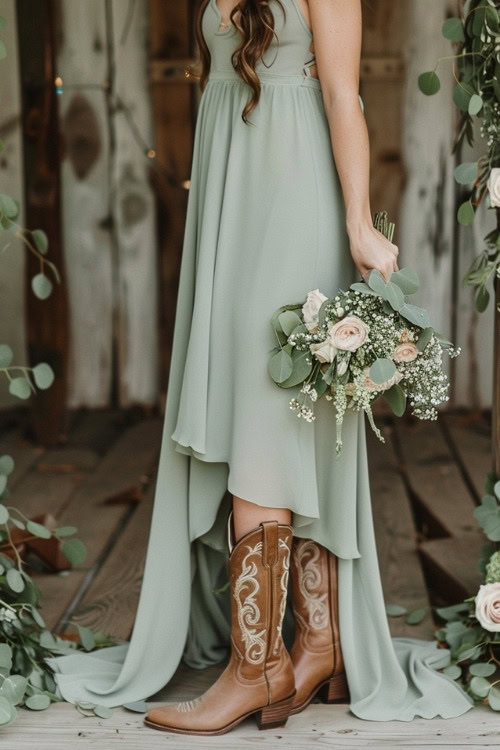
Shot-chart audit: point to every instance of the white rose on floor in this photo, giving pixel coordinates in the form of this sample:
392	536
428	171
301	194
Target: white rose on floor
371	386
405	352
349	333
310	309
488	606
494	187
324	351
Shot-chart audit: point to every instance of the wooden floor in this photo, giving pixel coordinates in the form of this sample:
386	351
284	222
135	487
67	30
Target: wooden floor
425	483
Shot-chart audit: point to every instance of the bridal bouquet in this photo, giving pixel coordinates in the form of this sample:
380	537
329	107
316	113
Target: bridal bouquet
366	342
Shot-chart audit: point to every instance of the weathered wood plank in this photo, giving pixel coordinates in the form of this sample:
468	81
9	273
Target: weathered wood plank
81	62
442	498
125	466
110	603
396	538
331	726
133	205
452	565
471	438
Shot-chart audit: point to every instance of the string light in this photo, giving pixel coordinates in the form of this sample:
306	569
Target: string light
58	83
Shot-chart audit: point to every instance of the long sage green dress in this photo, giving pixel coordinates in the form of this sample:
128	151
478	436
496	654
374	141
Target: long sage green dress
265	225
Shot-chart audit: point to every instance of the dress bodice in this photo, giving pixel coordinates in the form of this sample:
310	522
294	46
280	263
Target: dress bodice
289	53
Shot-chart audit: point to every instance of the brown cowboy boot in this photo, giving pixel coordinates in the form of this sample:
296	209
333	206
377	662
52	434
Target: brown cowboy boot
259	676
316	653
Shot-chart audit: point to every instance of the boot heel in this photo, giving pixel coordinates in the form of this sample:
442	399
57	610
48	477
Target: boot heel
335	689
275	715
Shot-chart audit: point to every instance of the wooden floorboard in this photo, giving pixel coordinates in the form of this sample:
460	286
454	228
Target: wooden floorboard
396	538
127	465
334	726
444	499
471	438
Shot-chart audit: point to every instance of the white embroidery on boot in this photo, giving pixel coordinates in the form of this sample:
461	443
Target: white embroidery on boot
248	610
186	706
283	592
309	575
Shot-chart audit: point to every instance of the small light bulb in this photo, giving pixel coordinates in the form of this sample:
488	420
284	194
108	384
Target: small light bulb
151	154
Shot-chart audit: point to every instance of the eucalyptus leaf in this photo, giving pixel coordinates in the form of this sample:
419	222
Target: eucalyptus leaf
482	299
407	279
382	370
43	375
139	707
38	530
65	531
416	315
7	712
74	551
13	688
6	355
424	338
475	105
6	464
103	712
452	612
360	286
453	30
396	398
462	94
5	655
480	686
494	698
15	580
482	669
18	523
416	616
9	206
280	366
429	83
453	671
488	516
376	282
394	296
41	241
288	321
41	286
301	368
395	610
4	513
496	489
20	387
466	173
466	213
86	637
37	702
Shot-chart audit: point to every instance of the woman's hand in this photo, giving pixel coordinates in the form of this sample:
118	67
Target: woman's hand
371	249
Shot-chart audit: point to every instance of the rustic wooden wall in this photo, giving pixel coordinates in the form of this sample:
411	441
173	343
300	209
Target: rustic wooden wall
121	330
12	258
430	238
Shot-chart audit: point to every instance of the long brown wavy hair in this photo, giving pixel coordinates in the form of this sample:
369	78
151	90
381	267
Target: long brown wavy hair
256	26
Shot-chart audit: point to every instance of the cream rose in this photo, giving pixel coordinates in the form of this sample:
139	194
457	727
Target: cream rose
488	606
349	333
310	309
371	386
405	352
494	187
324	351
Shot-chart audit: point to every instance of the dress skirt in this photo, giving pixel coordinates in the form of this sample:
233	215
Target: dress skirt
265	225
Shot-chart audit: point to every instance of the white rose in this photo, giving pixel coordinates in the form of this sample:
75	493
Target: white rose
488	606
348	334
405	352
369	384
310	309
494	187
324	351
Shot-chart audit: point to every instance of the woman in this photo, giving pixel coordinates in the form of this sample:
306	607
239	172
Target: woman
278	206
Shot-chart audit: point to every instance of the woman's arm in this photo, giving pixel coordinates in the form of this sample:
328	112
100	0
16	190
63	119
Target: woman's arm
336	27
